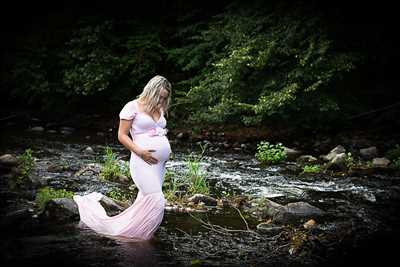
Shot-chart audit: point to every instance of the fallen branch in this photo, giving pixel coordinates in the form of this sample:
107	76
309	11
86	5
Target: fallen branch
223	230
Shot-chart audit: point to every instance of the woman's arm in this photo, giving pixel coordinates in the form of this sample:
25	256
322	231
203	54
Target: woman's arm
123	138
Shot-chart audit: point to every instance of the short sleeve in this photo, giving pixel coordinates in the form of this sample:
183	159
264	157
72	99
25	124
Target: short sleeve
128	112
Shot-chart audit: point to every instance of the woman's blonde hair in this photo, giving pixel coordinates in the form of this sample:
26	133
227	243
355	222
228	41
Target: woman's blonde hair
151	94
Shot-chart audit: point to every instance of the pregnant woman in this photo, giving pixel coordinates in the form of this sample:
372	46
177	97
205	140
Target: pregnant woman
142	118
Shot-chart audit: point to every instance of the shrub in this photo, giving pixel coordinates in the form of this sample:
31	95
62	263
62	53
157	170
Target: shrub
396	163
349	161
270	154
111	167
194	175
394	153
26	164
311	169
171	183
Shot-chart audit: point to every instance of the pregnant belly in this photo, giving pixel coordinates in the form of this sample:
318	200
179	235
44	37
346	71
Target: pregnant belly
160	144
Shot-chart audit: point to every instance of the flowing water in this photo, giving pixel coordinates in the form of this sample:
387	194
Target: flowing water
370	199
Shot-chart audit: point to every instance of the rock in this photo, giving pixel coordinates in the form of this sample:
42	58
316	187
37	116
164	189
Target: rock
37	129
223	203
15	217
369	152
55	168
111	207
67	129
123	179
61	210
369	196
306	159
8	161
64	132
332	154
292	212
269	228
89	150
270	209
338	162
309	224
380	162
291	154
180	135
292	169
361	170
207	200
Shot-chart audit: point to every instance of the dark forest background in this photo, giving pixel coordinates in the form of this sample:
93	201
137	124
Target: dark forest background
303	64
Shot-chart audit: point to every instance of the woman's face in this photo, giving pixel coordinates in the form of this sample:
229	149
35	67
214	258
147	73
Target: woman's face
163	97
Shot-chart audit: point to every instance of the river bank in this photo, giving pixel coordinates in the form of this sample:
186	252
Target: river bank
359	222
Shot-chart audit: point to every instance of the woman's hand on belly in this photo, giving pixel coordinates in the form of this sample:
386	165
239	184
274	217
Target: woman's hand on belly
147	156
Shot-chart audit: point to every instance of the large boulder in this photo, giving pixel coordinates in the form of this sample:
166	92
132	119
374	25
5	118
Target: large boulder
290	213
296	211
60	210
333	153
337	163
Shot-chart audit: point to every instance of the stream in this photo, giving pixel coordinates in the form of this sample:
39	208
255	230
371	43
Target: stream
364	206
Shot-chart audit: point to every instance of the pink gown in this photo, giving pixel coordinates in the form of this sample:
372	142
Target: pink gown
143	217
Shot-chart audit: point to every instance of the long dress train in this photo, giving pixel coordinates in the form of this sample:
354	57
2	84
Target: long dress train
144	216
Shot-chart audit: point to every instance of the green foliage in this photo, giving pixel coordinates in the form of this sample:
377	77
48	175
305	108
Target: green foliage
394	153
119	195
269	153
196	262
111	168
99	58
349	160
170	186
45	194
396	163
26	163
248	65
31	75
311	169
260	65
194	175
